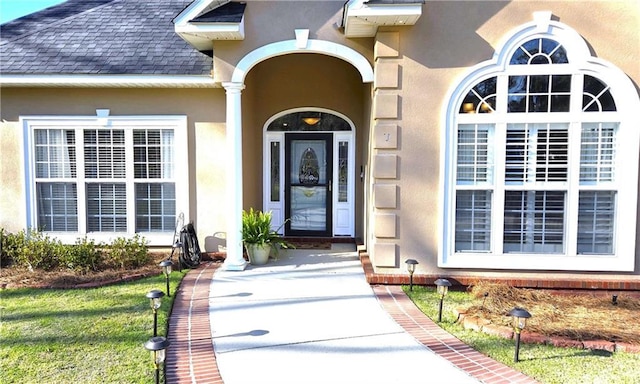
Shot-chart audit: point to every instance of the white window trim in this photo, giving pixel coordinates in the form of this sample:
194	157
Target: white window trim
181	172
580	61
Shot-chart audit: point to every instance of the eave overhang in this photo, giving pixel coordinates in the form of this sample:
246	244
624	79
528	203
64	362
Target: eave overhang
361	18
107	81
205	21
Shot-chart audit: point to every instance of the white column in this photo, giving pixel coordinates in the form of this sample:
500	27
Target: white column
234	260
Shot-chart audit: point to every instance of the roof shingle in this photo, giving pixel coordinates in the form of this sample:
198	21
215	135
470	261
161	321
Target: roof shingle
120	37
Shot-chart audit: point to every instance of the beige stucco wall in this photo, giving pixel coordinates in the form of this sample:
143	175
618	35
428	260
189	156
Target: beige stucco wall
272	21
12	196
450	37
205	113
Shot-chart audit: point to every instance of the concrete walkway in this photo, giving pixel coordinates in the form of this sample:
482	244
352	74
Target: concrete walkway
310	317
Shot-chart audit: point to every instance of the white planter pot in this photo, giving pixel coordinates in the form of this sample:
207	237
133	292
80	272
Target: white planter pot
258	254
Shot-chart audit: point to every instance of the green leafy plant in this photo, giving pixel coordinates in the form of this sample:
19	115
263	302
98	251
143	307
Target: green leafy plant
256	229
128	253
10	246
83	257
35	250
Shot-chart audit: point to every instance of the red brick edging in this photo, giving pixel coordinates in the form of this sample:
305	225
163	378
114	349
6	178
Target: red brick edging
604	283
190	358
423	329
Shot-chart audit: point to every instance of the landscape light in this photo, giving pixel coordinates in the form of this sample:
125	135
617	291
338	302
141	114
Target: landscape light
166	269
442	289
411	268
157	345
178	246
155	297
520	316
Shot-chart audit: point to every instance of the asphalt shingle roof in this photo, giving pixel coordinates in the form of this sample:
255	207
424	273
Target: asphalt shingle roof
101	37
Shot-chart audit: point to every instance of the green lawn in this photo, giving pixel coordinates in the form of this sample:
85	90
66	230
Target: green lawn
80	335
545	363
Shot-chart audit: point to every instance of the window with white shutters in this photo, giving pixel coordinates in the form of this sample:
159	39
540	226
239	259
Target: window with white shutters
55	170
542	160
120	178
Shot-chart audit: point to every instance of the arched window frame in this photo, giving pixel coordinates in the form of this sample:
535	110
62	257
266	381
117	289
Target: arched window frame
580	63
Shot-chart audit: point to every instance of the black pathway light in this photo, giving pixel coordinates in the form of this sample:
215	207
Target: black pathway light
411	268
157	345
442	289
166	269
520	316
155	297
178	246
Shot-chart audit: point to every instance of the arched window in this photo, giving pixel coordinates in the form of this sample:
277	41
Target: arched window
541	159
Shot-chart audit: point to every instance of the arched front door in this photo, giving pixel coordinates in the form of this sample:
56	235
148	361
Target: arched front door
309	173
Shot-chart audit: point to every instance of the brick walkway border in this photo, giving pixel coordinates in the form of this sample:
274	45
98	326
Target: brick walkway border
423	329
191	357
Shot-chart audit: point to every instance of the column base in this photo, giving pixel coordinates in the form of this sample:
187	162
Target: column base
234	265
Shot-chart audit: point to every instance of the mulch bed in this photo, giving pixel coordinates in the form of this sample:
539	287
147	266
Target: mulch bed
11	277
576	317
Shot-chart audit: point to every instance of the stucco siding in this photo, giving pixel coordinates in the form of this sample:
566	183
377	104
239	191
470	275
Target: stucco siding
448	39
206	142
272	21
414	79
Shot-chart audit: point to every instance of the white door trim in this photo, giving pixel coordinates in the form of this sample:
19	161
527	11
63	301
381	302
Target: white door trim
343	214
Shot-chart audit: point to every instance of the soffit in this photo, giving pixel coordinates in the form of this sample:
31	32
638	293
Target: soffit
206	21
362	18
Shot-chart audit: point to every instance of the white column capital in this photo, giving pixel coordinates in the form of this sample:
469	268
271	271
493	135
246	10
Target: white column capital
233	87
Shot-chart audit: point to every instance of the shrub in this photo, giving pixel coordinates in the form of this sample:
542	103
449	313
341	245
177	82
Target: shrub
10	244
83	256
33	250
128	253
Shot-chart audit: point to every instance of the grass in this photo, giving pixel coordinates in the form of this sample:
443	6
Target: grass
81	335
545	363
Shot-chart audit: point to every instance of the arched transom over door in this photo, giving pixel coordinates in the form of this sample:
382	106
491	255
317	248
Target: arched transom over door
309	173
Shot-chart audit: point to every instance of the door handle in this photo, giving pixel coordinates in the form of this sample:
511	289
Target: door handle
329	185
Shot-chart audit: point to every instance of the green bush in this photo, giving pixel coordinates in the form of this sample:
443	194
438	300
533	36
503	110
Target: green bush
33	250
128	253
38	251
11	245
83	257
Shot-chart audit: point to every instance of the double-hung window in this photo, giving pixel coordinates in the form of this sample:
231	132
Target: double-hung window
105	178
541	163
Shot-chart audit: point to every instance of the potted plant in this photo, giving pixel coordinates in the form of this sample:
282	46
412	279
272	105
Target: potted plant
258	237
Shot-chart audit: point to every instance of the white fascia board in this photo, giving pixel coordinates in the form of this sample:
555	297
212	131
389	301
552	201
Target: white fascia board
201	37
127	81
386	10
362	20
212	31
212	28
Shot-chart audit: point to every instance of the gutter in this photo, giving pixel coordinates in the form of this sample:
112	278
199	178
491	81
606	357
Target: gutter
115	81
